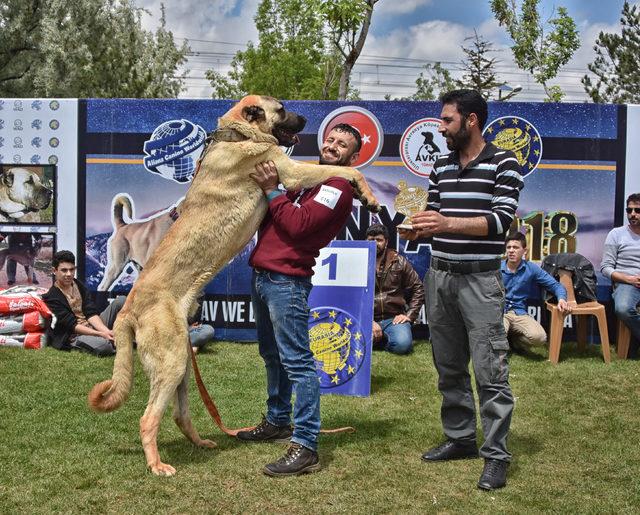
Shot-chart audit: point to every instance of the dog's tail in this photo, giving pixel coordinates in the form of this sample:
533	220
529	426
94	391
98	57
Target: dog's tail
109	395
121	204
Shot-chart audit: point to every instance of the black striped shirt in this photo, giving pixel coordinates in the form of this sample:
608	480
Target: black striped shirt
488	186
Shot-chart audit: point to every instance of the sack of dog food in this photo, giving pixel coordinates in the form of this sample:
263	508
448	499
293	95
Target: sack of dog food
30	322
17	303
26	341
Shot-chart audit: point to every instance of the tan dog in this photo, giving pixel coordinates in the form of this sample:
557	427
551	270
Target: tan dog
22	193
134	242
220	214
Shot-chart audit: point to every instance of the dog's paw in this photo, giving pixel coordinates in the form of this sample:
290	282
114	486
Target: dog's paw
370	202
162	469
373	205
209	444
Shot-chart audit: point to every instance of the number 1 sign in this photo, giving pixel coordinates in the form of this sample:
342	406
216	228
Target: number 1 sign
341	316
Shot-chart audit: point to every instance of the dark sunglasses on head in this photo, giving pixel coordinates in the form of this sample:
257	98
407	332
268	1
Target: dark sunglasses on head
635	210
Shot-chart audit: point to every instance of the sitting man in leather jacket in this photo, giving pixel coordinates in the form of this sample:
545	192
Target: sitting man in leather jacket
399	295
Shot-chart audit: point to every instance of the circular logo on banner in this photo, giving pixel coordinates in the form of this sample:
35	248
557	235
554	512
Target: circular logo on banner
173	149
367	125
337	344
421	145
518	135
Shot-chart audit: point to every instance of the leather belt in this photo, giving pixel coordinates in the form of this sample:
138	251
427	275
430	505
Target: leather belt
465	267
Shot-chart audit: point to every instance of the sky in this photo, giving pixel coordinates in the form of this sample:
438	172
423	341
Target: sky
404	35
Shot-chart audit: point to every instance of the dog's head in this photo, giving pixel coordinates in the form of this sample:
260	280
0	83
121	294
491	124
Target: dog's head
269	116
25	187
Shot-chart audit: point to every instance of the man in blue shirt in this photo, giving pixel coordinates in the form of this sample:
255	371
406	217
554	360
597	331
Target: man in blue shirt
518	276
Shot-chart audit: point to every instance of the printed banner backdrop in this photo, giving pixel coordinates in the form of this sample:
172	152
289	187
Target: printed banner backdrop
341	316
37	132
573	158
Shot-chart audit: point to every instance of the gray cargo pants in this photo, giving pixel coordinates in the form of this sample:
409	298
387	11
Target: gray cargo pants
464	313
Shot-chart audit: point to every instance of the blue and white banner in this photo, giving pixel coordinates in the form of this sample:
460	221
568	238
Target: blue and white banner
341	317
573	157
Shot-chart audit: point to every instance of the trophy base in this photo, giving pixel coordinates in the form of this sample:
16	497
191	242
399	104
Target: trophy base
408	227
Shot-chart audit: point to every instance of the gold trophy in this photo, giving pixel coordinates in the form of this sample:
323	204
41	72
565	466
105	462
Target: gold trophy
409	201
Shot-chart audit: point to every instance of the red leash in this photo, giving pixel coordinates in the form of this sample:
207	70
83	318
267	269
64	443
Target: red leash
215	414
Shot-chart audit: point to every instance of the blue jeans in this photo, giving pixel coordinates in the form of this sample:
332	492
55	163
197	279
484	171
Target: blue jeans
399	339
626	298
282	317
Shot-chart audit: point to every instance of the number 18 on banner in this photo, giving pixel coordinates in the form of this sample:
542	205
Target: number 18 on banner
341	316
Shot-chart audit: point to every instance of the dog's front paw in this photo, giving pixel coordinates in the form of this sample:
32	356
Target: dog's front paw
209	444
369	201
162	469
372	204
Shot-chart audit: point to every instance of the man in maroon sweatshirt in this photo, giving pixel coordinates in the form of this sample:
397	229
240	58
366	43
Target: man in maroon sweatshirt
297	225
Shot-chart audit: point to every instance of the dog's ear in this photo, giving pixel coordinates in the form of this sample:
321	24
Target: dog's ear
253	113
7	178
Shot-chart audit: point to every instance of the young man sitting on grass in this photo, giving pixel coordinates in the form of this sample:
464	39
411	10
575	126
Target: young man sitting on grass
519	275
79	324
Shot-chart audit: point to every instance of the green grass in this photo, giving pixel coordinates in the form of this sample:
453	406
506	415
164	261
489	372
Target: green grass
574	438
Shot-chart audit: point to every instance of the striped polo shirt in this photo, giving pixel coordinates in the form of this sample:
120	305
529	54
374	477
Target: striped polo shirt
488	186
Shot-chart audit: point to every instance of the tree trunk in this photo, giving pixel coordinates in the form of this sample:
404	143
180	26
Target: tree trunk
353	55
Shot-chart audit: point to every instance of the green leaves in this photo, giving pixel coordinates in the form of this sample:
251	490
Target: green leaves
85	48
534	51
301	51
479	67
616	62
289	60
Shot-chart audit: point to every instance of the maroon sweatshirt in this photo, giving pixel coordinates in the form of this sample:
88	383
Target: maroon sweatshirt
299	224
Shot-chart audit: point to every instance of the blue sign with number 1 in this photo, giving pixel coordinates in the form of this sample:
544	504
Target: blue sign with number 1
341	316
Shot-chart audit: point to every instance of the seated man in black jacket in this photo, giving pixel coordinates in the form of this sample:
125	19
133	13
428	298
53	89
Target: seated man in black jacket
78	325
399	295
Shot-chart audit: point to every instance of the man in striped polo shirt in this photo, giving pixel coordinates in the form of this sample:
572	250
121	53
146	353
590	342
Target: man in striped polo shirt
473	196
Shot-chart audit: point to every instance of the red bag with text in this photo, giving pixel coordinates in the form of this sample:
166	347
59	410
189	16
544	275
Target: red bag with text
30	322
26	341
18	303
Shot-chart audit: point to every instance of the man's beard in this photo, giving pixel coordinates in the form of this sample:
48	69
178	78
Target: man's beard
459	140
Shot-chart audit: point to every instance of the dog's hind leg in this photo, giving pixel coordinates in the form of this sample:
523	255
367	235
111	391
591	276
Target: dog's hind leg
166	367
181	414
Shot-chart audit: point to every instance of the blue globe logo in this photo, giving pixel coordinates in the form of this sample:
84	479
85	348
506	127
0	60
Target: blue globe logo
173	150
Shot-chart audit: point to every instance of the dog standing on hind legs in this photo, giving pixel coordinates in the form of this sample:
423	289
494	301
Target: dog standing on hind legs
221	212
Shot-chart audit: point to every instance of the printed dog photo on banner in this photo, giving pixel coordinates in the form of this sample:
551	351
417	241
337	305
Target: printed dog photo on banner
27	194
26	259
